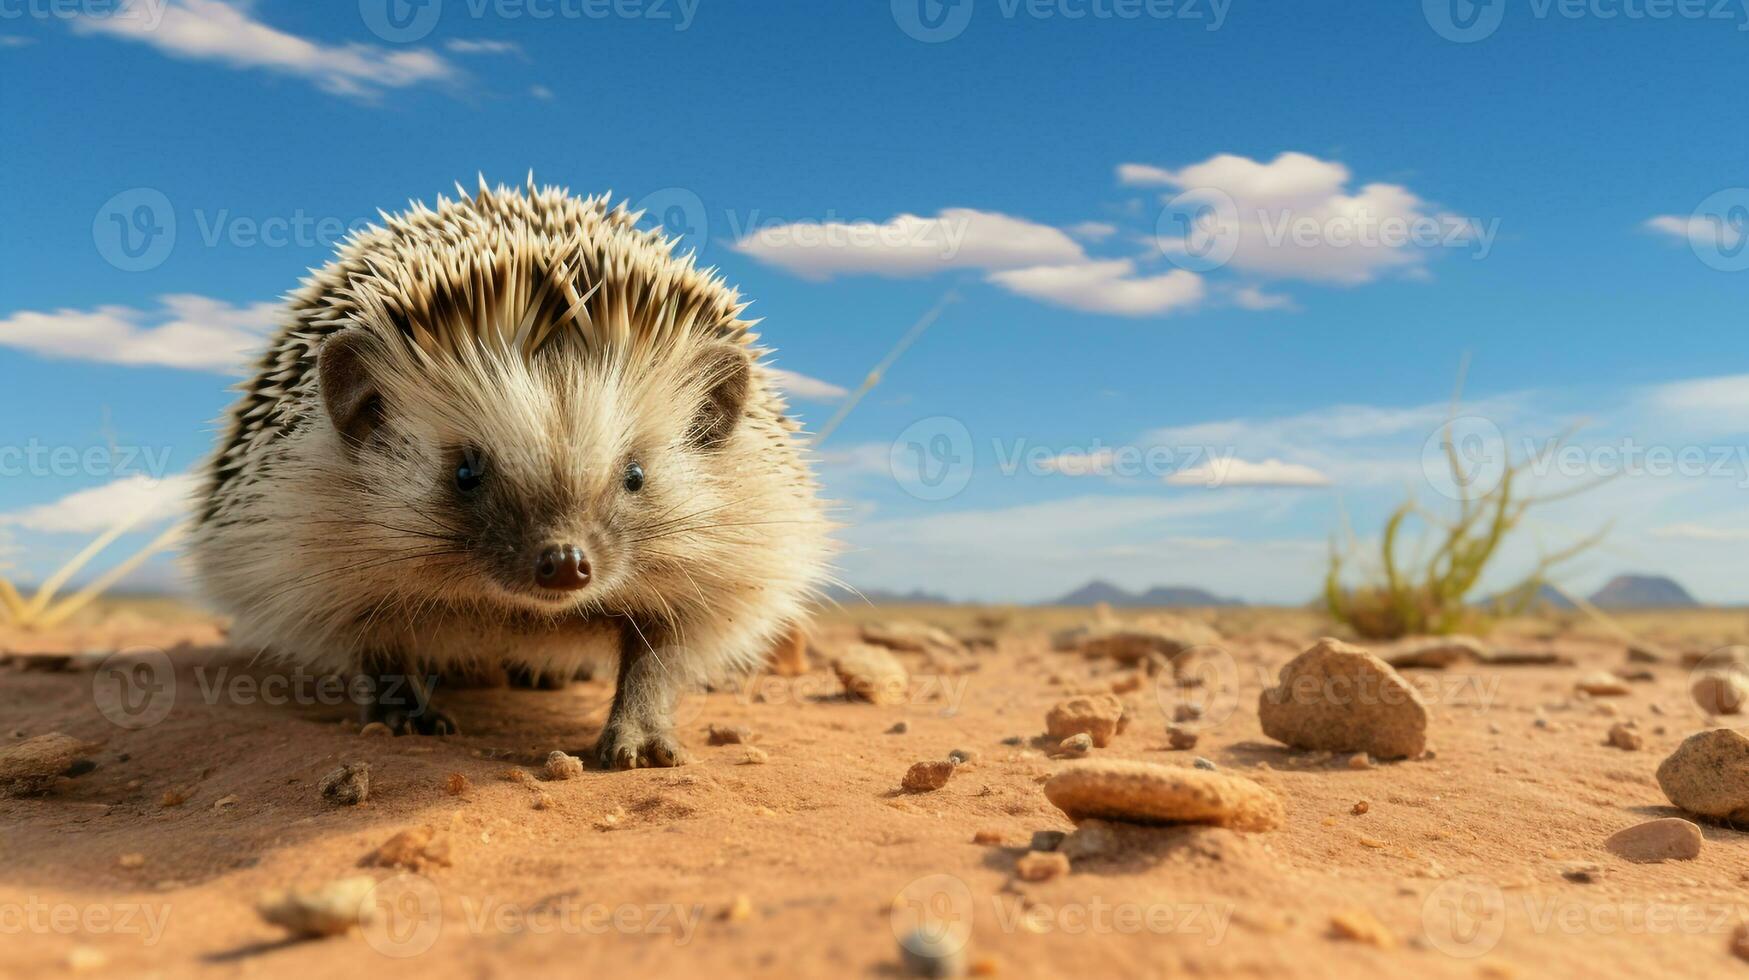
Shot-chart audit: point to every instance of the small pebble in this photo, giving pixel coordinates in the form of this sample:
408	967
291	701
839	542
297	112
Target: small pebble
1181	738
560	766
754	756
1602	684
327	910
924	777
456	784
739	910
1625	735
933	952
1206	764
1041	865
987	837
1076	745
131	861
1583	874
729	735
348	785
962	756
1047	840
899	728
1361	807
1666	839
1359	760
1361	926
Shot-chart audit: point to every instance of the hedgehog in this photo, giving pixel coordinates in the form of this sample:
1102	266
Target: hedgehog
514	432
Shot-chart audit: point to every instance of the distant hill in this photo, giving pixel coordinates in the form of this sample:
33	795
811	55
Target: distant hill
1116	596
1547	597
1643	592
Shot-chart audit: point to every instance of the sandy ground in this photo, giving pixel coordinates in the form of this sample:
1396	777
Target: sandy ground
809	863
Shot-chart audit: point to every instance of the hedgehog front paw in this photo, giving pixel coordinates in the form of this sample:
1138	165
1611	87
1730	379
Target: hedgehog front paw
624	746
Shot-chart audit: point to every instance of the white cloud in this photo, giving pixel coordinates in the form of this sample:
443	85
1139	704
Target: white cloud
1230	471
1254	298
1093	231
187	331
15	41
1709	405
210	30
806	388
1703	532
1295	217
1096	462
463	45
542	93
99	508
1699	230
1105	287
908	245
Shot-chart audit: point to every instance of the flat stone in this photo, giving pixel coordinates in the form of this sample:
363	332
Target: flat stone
1669	839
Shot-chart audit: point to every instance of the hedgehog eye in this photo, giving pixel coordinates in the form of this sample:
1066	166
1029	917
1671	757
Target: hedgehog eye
470	472
634	480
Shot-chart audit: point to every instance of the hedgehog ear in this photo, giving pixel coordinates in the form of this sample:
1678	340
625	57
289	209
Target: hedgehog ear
351	397
728	374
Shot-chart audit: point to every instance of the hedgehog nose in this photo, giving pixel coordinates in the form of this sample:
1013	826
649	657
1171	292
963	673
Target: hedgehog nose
562	567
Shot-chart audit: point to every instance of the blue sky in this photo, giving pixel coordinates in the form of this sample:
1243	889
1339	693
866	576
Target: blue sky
1372	192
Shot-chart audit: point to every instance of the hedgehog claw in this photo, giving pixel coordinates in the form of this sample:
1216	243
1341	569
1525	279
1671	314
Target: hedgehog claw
623	747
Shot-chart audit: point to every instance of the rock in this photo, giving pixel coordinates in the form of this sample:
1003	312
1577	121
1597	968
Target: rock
34	764
924	777
934	952
899	728
912	637
1669	839
1526	658
1075	746
1096	715
872	674
1141	792
1436	652
988	838
1340	698
1360	760
414	849
348	785
1047	840
1721	692
1602	684
1647	653
1361	926
754	756
1163	636
1708	774
1180	738
729	735
1724	659
962	756
1041	865
560	766
456	784
1626	735
789	658
328	910
1582	873
1207	765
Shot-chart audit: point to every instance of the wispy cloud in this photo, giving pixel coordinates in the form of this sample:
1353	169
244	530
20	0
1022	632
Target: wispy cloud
1699	230
806	388
1230	471
210	30
186	331
1105	287
909	245
462	45
99	508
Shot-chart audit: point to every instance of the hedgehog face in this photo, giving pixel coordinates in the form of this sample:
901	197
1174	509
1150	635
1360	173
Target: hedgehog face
548	486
